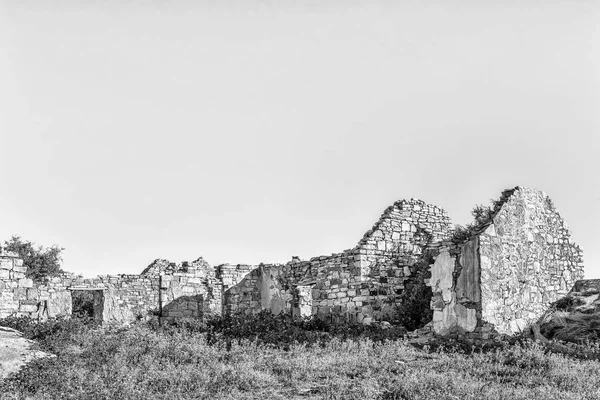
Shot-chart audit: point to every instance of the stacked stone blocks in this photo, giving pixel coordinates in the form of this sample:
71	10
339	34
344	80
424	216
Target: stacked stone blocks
508	271
494	282
358	284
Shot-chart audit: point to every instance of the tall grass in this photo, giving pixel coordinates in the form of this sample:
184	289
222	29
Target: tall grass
145	362
573	327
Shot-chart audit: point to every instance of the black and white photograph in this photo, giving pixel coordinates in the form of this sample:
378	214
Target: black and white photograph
300	199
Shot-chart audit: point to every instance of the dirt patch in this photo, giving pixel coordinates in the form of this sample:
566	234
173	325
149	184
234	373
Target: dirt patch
16	351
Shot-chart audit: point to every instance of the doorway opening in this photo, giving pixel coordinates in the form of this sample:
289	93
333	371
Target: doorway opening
88	304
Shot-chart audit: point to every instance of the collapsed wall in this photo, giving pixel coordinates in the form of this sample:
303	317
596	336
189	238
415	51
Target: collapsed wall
503	277
528	260
166	289
358	284
498	280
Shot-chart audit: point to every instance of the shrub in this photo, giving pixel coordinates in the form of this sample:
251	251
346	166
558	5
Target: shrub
461	233
279	330
40	262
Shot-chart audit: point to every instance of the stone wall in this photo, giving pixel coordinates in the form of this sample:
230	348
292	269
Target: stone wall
16	292
505	275
498	280
528	260
186	290
358	284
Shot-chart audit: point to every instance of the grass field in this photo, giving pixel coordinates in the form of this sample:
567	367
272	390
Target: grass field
143	362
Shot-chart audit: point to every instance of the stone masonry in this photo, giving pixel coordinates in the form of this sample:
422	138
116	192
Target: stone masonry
365	282
503	277
498	280
186	290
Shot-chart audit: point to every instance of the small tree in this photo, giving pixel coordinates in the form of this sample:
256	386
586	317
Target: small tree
40	262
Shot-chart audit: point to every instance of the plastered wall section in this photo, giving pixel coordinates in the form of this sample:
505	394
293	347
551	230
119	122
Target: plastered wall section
455	284
528	260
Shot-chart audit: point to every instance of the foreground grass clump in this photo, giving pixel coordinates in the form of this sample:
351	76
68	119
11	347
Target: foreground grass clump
146	362
574	318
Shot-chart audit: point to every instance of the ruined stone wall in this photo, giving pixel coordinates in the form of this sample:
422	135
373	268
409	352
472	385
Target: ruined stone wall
187	290
240	287
337	290
230	275
496	281
528	260
265	287
364	282
389	254
124	296
16	292
502	278
190	290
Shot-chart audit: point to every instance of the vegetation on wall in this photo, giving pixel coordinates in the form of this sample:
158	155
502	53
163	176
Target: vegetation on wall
482	216
280	330
41	262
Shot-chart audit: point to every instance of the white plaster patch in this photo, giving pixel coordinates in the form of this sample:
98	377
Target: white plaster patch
441	272
466	318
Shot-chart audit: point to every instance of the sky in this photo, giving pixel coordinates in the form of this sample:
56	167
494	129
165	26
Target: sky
249	131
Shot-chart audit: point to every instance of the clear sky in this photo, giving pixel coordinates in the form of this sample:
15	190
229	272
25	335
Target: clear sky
254	131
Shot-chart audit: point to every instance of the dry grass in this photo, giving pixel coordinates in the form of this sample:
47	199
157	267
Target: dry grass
574	318
573	327
141	363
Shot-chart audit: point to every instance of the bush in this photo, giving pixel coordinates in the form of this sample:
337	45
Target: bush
279	330
40	262
482	215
